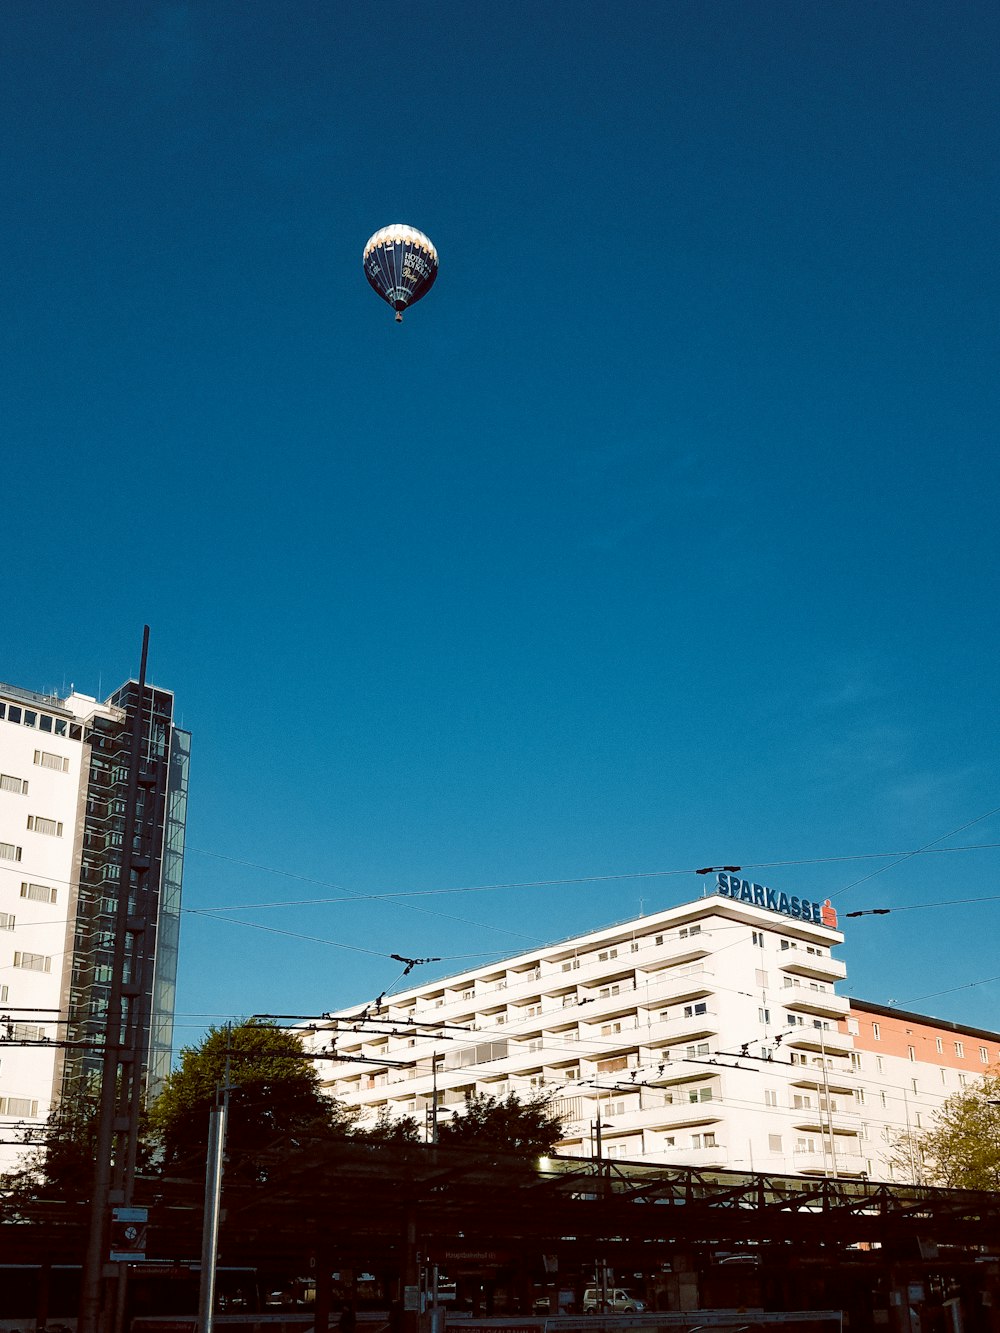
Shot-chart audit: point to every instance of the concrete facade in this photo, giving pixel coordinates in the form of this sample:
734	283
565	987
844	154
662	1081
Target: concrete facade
62	782
709	1034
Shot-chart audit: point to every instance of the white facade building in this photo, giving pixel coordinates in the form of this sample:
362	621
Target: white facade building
63	773
708	1034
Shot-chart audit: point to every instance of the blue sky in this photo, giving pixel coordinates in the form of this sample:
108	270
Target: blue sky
661	534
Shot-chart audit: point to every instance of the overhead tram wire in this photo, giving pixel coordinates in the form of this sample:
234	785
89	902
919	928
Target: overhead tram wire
916	907
907	856
565	881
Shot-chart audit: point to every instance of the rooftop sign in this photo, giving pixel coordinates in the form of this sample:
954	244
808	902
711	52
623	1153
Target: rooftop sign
800	909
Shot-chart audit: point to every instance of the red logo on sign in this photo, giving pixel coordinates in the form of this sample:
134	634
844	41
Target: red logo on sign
828	915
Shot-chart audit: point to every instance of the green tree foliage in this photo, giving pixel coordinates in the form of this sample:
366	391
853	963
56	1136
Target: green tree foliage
60	1163
529	1128
961	1149
391	1129
275	1103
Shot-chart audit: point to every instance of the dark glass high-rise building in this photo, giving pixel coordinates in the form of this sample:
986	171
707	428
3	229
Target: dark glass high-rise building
66	775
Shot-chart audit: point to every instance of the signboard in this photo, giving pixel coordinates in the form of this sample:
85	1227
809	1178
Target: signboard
799	909
128	1234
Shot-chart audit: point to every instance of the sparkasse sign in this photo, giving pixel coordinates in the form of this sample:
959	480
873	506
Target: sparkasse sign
800	909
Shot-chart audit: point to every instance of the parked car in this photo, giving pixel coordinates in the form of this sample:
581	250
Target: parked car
617	1301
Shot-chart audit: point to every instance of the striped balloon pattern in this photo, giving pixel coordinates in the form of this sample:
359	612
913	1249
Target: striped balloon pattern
401	264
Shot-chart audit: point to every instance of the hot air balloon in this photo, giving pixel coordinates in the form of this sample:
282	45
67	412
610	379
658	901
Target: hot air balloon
401	264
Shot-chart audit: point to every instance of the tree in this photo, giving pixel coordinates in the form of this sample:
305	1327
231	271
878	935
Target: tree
390	1129
530	1128
60	1160
961	1149
275	1102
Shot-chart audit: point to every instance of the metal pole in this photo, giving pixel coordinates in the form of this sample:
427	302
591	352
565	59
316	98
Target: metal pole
213	1195
210	1234
598	1127
829	1112
90	1296
434	1098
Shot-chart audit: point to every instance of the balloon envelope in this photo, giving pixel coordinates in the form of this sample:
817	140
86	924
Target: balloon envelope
401	264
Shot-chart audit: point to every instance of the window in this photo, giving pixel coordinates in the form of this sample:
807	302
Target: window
696	1095
51	827
693	1051
856	1060
669	1140
568	1001
693	1010
882	1099
3	994
876	1032
16	785
760	976
770	1097
607	955
703	1140
613	1108
535	1044
33	962
571	966
801	1101
39	893
984	1055
658	939
789	982
788	944
944	1076
853	1027
758	938
911	1053
939	1045
634	946
859	1095
959	1049
917	1118
29	1032
18	1106
880	1063
44	759
774	1142
913	1084
610	1029
6	921
764	1015
8	852
962	1081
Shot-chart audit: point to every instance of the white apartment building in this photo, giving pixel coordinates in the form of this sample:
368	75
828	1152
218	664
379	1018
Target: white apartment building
64	766
707	1034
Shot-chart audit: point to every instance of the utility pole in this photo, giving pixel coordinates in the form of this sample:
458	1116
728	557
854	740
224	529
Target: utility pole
829	1110
126	1026
217	1121
597	1126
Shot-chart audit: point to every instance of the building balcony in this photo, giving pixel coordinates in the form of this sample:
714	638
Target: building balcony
837	1080
818	1163
817	966
825	1041
821	1003
819	1120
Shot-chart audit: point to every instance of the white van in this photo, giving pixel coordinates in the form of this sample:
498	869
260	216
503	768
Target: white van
619	1301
